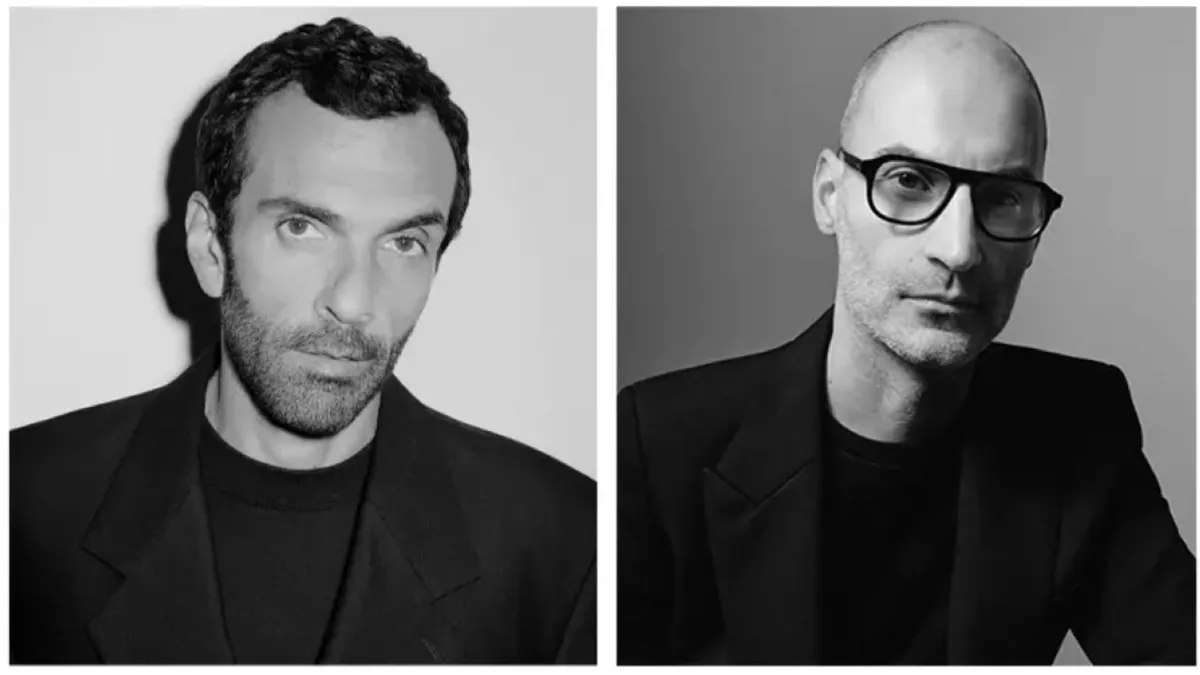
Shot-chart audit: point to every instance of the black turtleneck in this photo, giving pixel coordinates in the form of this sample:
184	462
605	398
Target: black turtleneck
889	517
281	539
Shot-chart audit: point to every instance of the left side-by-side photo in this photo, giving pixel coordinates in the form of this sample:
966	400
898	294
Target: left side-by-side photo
303	336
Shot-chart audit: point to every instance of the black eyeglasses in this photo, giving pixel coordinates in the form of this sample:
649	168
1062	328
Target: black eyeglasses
912	191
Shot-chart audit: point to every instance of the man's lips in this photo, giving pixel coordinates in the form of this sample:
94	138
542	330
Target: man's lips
337	355
952	300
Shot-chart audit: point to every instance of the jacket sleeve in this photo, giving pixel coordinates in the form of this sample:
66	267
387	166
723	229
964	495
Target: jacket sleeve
644	562
1136	602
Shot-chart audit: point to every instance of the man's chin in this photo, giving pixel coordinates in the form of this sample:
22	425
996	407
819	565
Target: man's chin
936	348
315	405
315	420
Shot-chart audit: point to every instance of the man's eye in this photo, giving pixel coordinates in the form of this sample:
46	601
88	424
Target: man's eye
407	245
910	180
298	228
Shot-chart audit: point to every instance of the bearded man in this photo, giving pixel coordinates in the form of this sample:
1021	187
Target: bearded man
287	500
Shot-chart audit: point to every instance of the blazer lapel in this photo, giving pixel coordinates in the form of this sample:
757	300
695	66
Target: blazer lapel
762	503
411	564
152	528
1008	522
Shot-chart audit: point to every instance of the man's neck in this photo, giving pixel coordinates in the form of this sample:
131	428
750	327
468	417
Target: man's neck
875	394
236	418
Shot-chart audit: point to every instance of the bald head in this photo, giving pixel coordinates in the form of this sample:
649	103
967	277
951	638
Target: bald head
940	54
956	95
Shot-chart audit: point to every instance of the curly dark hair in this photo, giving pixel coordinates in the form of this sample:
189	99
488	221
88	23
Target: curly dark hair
343	67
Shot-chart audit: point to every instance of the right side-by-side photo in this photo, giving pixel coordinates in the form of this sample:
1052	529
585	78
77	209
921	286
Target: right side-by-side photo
906	336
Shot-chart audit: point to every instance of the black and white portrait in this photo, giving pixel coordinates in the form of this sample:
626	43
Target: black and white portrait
315	318
303	336
906	336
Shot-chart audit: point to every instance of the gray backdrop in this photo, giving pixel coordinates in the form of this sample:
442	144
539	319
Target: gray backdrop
721	115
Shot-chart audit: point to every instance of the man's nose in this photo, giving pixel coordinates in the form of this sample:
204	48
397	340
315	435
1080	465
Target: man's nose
953	239
350	298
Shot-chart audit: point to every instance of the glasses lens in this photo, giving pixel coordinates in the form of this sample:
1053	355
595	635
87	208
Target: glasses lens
908	192
911	192
1009	209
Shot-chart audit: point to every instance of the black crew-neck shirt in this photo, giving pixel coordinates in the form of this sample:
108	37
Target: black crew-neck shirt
889	518
281	539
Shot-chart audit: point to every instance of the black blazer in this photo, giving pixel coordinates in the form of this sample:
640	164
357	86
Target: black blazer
470	547
1061	523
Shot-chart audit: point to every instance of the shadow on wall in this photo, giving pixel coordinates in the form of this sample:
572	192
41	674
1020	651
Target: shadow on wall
184	298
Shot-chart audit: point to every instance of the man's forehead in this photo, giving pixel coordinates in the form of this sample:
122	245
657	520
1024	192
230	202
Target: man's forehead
294	143
955	98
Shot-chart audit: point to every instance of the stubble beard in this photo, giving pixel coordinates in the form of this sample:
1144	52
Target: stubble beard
878	312
303	402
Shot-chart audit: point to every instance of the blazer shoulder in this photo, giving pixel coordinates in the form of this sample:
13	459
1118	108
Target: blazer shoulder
484	457
723	385
77	434
1084	406
1043	365
61	467
1070	385
689	415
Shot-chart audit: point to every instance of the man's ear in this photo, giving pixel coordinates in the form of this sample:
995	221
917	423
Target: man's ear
203	246
825	191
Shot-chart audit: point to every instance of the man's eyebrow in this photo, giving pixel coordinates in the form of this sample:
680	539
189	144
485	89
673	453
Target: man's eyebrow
291	204
424	219
1018	171
296	206
899	149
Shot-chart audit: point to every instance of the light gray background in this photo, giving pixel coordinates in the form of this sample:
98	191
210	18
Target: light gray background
721	115
98	100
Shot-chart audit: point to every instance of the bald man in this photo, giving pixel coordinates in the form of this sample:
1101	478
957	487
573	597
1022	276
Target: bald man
893	487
